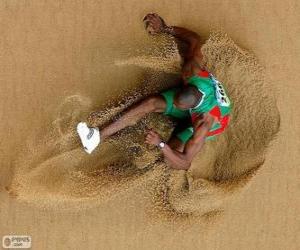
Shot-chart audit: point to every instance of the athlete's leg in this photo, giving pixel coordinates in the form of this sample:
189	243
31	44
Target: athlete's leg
134	114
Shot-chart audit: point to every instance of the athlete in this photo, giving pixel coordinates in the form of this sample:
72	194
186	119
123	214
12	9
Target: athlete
200	103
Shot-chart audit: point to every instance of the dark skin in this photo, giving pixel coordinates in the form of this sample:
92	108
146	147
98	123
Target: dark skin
176	154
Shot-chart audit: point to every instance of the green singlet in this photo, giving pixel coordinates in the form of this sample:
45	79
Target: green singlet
214	101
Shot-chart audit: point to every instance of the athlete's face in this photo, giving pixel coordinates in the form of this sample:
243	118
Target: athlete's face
182	106
187	97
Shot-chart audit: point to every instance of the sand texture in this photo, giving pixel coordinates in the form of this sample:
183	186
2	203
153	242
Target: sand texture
64	62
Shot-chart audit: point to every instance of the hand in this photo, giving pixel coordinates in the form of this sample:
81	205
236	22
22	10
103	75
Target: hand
154	24
153	138
202	123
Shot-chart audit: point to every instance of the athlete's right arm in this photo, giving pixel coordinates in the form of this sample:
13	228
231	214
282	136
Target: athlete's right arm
189	37
193	56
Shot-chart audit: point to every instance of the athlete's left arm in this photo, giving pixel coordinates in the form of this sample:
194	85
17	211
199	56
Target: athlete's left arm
183	160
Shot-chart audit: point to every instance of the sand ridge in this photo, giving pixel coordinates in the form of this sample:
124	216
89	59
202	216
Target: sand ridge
58	170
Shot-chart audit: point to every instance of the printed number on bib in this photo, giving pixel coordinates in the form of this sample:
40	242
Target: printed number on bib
221	96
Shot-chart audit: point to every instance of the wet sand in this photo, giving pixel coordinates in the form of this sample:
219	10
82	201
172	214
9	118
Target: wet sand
61	61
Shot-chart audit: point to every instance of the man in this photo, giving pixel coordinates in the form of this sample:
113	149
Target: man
201	99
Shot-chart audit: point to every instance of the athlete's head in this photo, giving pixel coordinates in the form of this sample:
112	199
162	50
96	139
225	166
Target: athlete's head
187	97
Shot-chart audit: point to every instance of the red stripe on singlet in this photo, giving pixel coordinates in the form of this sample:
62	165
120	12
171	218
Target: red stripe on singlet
203	73
224	121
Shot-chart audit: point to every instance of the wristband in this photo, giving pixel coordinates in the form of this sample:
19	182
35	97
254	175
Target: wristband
161	145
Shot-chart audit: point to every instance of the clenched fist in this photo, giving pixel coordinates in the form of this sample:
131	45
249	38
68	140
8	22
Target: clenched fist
153	138
154	24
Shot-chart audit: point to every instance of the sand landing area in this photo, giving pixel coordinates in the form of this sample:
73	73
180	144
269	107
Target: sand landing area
63	62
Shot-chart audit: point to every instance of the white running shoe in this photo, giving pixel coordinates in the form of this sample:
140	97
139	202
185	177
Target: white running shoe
90	137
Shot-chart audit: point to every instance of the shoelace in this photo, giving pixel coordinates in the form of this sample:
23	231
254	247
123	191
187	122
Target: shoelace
90	134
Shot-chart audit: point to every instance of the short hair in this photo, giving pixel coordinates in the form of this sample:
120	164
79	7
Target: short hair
188	96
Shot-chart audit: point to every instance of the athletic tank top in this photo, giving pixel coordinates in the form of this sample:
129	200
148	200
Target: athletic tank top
214	98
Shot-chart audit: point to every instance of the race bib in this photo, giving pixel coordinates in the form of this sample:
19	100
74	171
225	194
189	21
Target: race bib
221	96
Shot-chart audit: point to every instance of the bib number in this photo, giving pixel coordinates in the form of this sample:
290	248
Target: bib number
221	96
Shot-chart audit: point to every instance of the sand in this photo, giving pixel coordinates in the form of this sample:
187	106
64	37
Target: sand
64	62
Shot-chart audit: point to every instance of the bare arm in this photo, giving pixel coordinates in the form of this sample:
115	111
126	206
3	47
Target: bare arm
189	37
193	56
182	160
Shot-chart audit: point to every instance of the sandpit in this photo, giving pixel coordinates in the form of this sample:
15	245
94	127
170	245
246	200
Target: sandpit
56	172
